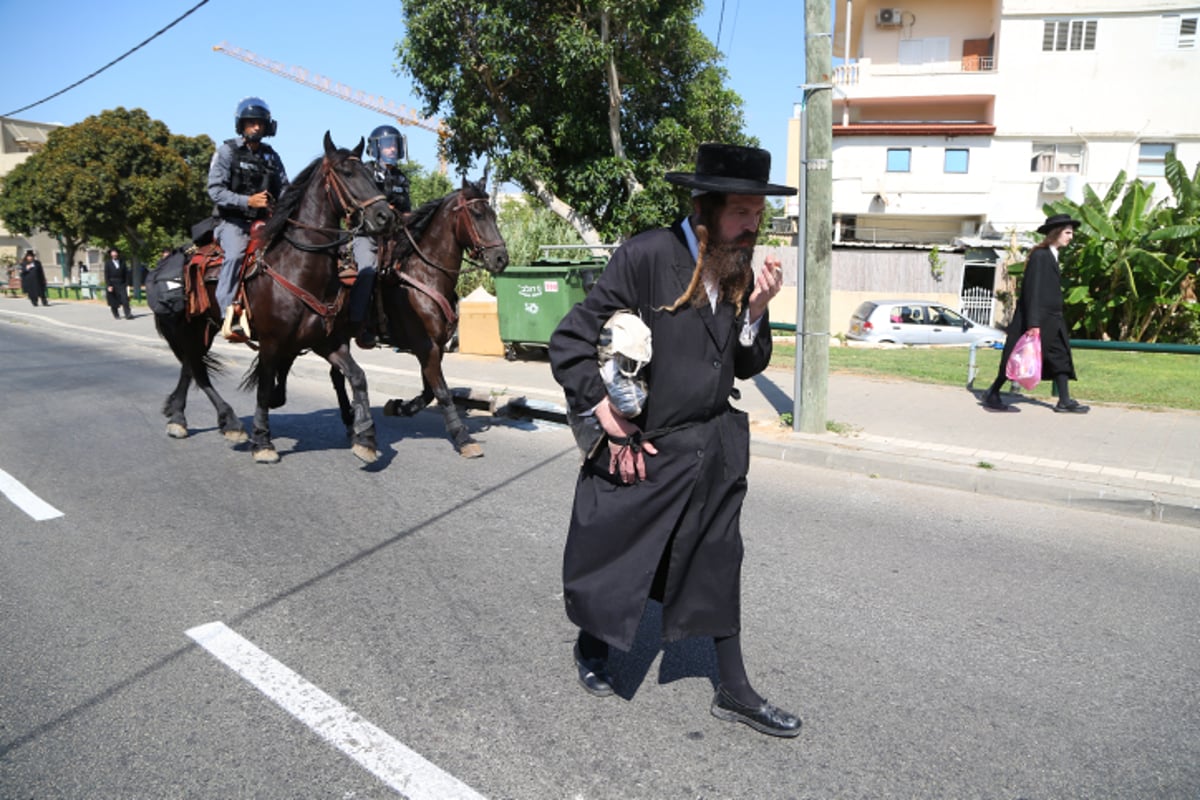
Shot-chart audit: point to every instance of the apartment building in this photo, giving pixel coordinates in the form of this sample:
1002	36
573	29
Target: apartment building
955	121
961	118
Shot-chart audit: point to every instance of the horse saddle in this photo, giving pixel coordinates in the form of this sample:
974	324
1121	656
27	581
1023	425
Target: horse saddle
204	268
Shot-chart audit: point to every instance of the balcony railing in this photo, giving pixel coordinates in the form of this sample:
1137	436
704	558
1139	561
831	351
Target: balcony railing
852	74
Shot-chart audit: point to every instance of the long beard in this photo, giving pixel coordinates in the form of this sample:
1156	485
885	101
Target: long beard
728	265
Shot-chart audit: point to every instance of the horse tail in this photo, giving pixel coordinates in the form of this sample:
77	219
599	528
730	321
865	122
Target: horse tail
250	379
182	338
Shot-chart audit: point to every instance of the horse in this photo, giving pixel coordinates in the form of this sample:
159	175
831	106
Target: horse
415	295
294	302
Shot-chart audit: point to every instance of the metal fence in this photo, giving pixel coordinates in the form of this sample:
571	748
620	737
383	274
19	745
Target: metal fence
977	305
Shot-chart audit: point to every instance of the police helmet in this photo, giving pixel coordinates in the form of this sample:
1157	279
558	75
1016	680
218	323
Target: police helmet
254	108
386	138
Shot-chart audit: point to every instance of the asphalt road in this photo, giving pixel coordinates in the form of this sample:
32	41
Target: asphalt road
937	644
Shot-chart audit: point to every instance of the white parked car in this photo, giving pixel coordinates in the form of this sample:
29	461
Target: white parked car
916	322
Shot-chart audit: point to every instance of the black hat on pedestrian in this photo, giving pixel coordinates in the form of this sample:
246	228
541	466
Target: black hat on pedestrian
730	169
28	253
1058	221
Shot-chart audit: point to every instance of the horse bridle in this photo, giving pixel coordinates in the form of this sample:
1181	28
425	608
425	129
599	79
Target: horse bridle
478	245
336	189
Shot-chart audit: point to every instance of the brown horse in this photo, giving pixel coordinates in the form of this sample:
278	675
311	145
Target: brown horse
294	302
416	294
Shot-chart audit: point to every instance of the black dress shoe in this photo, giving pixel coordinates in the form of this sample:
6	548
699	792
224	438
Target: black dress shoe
992	402
593	675
1071	407
767	718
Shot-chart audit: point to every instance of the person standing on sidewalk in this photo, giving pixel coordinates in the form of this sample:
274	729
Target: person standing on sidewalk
1040	309
116	280
657	509
33	279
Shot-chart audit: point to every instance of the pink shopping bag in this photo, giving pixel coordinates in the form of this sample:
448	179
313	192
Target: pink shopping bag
1025	364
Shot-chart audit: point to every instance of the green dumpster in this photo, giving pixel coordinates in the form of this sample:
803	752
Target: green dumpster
532	300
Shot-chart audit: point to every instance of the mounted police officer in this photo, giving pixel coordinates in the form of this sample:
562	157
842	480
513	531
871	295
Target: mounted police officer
244	180
386	146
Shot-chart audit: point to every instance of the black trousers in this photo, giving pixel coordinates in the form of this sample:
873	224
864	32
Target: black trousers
118	297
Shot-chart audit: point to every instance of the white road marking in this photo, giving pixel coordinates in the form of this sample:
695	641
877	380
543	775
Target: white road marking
399	767
26	500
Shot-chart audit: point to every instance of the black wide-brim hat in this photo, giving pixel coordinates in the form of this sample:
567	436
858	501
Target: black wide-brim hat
730	169
1058	221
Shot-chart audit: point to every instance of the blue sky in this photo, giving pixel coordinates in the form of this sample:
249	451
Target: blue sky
179	79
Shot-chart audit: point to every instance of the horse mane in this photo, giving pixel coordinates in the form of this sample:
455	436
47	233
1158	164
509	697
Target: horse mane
287	205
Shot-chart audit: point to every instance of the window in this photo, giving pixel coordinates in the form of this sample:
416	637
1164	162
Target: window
1052	157
1069	34
957	160
1178	31
899	159
1152	159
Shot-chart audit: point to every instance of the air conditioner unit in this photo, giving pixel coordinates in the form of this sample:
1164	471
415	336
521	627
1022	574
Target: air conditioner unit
1054	184
888	17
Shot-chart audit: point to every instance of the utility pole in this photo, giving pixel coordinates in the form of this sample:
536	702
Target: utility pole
816	203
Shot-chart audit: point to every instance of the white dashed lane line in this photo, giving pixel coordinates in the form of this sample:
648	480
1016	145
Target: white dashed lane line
26	500
372	748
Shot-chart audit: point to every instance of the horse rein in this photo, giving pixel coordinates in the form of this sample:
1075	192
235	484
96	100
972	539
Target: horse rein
475	249
336	190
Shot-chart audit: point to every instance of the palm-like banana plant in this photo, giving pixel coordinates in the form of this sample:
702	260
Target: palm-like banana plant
1134	264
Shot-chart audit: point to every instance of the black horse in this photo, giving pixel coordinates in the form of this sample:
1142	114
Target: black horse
294	302
416	292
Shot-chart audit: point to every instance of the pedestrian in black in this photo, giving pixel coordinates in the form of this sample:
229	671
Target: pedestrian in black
116	280
33	279
1040	308
657	508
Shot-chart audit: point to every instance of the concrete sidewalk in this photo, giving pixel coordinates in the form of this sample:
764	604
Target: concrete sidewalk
1118	460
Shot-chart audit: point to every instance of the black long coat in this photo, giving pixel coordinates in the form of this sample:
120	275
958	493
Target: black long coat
33	278
681	524
1040	305
117	277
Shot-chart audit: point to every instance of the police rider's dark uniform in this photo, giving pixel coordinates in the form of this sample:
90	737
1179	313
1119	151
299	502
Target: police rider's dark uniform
393	184
236	173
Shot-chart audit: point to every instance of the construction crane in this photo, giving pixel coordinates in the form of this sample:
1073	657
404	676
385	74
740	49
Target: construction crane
398	112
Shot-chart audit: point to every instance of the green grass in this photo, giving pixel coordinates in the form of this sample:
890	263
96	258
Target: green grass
1156	380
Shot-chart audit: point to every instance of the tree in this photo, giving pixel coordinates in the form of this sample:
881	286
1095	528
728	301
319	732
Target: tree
582	103
30	201
118	178
425	186
1136	263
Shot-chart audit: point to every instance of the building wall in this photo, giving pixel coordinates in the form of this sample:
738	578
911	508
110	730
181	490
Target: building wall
1133	88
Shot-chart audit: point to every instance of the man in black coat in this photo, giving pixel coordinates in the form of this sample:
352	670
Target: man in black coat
1040	309
33	279
658	505
116	280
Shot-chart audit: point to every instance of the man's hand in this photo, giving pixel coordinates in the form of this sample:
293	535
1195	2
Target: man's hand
766	286
260	200
626	460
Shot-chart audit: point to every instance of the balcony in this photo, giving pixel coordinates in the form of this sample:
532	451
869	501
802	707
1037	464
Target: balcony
969	75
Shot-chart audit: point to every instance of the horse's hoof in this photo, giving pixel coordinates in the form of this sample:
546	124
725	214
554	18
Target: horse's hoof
236	437
389	408
368	455
177	431
266	456
470	450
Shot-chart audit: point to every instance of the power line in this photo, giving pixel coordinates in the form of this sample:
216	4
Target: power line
121	57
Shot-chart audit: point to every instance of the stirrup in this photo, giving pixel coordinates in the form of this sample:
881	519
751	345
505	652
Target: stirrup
232	329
